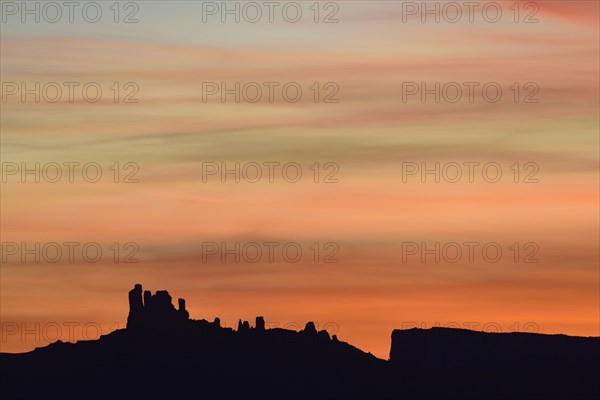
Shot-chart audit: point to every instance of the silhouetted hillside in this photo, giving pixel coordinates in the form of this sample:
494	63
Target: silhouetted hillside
164	355
468	364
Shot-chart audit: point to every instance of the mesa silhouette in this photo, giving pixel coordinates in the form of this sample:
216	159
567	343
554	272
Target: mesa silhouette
163	354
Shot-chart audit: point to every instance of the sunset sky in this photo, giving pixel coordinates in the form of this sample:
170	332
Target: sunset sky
371	134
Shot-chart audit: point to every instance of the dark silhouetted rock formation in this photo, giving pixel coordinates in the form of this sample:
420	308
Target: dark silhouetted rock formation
164	355
182	311
243	326
136	307
156	311
260	324
310	328
515	365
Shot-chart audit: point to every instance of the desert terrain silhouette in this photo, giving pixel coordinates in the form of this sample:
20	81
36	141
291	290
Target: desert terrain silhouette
163	354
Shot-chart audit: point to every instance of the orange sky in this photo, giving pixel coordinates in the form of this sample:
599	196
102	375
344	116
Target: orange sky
370	134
